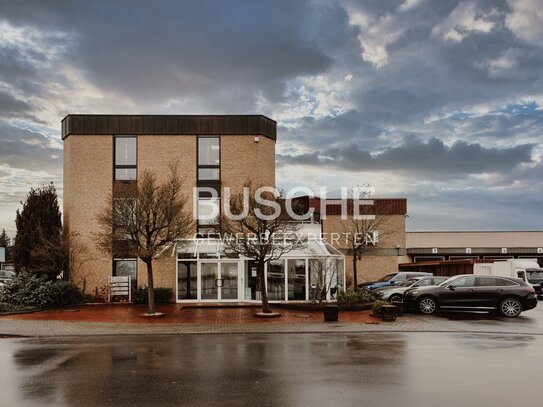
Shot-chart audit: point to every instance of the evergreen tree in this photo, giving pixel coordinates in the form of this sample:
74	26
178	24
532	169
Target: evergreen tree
39	221
5	241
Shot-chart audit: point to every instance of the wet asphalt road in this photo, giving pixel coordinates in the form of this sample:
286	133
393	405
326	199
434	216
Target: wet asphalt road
414	369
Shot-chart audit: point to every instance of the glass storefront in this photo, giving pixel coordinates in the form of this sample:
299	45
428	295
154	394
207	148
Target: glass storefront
205	273
186	280
276	280
296	279
317	279
210	274
229	277
340	278
252	286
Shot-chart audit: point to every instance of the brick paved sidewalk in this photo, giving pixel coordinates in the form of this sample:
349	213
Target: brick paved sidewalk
124	320
176	313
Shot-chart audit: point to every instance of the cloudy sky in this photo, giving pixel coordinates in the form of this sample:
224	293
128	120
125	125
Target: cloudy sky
437	101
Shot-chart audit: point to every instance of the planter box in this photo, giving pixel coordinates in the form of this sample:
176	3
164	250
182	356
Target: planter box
331	313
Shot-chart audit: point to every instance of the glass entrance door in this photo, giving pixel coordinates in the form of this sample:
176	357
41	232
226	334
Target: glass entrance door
209	281
219	280
229	277
186	280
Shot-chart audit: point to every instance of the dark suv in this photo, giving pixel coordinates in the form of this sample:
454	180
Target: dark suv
510	296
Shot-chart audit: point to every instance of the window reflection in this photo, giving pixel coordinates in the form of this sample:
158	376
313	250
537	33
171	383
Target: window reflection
276	280
125	267
296	279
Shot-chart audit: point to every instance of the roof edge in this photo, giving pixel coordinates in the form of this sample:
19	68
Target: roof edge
139	124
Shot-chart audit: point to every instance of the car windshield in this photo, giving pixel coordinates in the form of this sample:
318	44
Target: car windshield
409	282
386	278
534	276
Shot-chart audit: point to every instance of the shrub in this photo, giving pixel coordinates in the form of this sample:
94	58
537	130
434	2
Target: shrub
163	295
360	296
14	308
38	291
376	307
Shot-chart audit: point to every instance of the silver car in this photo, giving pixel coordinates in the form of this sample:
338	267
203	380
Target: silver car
395	294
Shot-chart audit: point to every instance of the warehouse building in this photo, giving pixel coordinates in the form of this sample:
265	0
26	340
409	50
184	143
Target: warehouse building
495	245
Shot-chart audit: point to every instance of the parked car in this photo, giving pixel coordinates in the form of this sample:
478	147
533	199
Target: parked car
510	296
527	270
395	293
393	279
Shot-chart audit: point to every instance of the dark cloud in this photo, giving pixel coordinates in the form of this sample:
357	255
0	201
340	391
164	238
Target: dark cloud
12	107
417	156
230	51
28	150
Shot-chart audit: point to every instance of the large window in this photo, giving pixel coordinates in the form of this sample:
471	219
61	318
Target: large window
276	280
125	158
209	206
126	267
209	175
186	280
296	279
209	158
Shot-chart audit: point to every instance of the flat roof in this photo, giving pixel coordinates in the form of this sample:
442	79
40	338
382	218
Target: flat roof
444	262
380	206
90	124
462	239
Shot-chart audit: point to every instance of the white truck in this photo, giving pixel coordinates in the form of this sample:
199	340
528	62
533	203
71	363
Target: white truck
526	269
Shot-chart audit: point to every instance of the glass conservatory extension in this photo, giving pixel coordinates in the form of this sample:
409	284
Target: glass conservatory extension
206	274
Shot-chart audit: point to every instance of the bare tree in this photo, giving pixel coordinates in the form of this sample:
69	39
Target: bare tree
141	220
363	228
78	255
64	254
262	230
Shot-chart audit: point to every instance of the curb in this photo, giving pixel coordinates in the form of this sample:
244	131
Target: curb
316	332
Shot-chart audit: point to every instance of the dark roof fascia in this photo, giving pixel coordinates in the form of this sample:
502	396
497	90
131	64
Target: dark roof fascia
104	124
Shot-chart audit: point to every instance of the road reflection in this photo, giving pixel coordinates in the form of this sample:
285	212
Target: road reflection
272	370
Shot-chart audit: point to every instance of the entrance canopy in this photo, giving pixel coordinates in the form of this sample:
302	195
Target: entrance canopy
205	272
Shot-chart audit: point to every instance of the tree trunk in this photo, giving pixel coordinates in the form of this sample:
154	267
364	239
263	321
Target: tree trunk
150	288
263	291
355	272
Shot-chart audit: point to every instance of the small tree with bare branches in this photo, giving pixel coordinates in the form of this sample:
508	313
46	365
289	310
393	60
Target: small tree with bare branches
323	272
260	229
363	228
64	253
142	220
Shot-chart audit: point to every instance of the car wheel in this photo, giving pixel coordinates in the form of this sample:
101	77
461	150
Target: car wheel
510	307
396	298
427	305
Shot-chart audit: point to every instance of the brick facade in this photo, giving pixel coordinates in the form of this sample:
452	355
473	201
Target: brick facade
88	180
378	261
